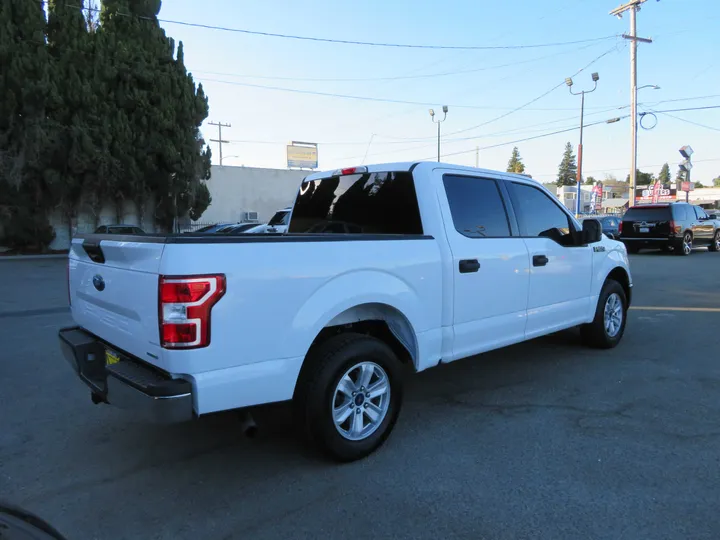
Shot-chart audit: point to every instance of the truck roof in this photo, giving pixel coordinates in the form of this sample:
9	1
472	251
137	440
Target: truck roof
412	165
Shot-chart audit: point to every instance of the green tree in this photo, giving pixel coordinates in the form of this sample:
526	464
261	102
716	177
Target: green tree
664	176
26	86
716	182
590	181
567	171
699	185
680	175
515	165
642	178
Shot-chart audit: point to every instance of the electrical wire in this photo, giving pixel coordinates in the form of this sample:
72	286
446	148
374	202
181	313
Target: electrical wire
347	41
690	121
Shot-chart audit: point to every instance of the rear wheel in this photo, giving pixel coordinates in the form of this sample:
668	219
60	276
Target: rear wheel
350	396
685	247
715	246
607	328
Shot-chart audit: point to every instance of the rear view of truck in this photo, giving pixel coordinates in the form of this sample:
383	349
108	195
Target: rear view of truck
128	316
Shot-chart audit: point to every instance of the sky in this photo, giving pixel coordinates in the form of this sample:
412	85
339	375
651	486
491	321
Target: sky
260	84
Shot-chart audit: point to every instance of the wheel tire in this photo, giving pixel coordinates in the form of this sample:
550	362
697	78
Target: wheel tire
682	248
316	394
715	246
596	334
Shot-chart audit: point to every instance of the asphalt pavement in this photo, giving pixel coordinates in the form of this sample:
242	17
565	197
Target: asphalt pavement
545	439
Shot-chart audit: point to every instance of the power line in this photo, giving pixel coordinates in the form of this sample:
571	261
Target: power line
347	41
625	168
690	121
390	78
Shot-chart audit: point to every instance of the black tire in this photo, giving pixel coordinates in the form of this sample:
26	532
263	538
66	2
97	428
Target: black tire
715	246
595	334
315	394
680	249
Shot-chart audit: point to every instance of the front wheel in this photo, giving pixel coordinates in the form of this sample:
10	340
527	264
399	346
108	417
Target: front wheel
349	396
715	246
607	328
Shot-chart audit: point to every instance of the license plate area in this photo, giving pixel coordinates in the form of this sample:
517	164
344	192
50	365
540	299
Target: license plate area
111	357
644	229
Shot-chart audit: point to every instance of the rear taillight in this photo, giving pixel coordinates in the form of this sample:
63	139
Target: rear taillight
184	311
674	227
619	227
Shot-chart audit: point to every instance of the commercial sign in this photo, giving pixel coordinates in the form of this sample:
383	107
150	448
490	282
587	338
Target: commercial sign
687	186
302	156
597	197
655	194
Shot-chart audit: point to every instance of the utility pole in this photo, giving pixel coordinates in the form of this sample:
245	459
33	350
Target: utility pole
438	122
633	7
219	140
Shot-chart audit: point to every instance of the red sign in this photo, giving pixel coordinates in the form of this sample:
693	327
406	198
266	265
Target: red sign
687	186
656	191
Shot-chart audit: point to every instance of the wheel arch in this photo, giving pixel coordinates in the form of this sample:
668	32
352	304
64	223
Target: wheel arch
621	275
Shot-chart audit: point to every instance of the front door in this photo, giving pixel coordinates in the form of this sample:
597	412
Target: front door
561	271
490	266
703	229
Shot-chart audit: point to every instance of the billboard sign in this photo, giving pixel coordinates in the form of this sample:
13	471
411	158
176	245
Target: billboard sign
657	193
302	156
687	186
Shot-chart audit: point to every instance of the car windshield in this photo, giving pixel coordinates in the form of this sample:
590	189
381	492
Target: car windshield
280	218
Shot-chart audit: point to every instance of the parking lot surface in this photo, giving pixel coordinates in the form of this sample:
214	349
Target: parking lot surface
545	439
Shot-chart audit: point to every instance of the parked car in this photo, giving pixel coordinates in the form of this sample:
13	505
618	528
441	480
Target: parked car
610	225
209	229
237	228
277	224
451	262
119	229
676	227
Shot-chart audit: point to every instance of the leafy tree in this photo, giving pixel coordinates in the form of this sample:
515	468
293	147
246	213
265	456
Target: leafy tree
590	181
716	182
610	178
515	165
26	86
664	176
642	178
699	185
680	175
567	171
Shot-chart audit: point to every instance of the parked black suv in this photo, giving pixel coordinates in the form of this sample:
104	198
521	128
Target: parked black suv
676	227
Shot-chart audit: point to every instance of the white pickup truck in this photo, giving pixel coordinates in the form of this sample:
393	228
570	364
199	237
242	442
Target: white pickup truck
417	264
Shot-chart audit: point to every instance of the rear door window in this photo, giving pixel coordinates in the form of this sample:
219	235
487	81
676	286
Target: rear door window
700	213
477	207
369	203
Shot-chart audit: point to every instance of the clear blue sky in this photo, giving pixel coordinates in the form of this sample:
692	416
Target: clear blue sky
684	61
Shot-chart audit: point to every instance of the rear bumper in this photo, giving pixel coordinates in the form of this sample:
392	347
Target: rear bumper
650	242
128	384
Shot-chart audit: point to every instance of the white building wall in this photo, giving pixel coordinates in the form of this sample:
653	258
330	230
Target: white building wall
236	190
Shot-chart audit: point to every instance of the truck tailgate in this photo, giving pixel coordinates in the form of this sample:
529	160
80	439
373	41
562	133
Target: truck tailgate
114	293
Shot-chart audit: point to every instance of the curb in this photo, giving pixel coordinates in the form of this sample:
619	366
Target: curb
32	257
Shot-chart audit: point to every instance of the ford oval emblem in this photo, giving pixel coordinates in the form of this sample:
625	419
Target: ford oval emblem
99	282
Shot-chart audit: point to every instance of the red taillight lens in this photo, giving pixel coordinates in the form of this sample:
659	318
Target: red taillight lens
675	228
619	227
184	310
181	292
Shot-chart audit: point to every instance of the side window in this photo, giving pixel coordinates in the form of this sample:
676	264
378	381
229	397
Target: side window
700	213
680	213
476	206
539	216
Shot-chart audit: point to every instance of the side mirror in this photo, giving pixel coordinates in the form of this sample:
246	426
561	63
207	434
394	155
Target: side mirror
591	231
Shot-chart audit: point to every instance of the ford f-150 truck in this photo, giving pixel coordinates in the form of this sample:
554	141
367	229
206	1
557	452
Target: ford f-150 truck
416	263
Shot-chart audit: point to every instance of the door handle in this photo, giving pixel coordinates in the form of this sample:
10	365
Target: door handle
540	260
469	265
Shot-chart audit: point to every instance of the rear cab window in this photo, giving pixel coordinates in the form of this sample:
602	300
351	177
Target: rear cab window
364	203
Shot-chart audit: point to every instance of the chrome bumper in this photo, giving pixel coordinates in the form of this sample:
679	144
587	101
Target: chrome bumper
128	384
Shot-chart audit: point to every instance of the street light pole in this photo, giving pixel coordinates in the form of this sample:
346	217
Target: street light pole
438	122
569	82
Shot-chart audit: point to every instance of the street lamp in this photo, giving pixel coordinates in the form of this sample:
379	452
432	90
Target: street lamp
438	122
569	82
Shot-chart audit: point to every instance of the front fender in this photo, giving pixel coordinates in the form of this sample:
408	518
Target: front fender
605	262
